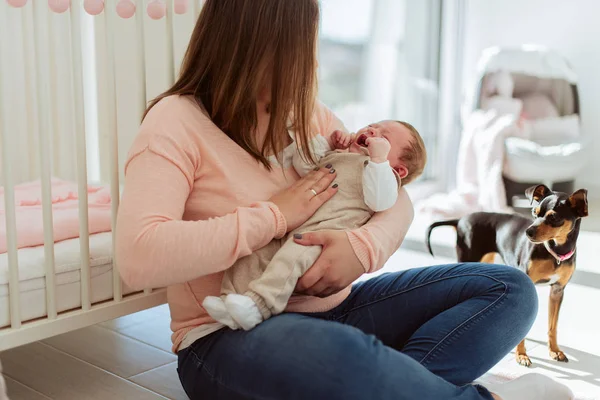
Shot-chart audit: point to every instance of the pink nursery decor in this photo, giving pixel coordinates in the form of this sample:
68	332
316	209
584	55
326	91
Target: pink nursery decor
125	8
59	6
16	3
180	6
156	9
93	7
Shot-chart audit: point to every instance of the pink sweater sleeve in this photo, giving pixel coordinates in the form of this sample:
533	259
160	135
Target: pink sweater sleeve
375	242
155	247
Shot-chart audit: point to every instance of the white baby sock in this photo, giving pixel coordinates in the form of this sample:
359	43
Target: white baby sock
243	310
532	387
215	307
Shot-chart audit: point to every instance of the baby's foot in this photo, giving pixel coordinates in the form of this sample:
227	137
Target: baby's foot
215	307
243	310
532	386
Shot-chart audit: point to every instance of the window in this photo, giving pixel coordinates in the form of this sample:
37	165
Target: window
379	59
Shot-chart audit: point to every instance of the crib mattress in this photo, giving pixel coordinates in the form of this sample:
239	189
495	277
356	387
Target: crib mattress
32	282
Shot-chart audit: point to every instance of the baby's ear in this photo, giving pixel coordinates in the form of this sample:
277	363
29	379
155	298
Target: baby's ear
402	171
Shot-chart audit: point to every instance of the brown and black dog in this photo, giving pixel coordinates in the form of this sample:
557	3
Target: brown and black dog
545	248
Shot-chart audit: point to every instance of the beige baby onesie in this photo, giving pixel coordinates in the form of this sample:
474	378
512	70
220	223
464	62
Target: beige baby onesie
269	275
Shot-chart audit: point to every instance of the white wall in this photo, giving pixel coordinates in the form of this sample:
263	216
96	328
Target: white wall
571	27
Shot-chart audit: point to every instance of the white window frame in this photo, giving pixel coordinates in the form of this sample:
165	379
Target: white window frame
452	41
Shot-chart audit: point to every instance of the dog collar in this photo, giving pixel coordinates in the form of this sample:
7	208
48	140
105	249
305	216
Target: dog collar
559	258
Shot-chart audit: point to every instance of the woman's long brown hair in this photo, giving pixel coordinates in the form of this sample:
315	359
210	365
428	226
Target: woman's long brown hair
240	47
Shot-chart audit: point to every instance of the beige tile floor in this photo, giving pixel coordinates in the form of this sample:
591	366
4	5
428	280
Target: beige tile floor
126	358
129	358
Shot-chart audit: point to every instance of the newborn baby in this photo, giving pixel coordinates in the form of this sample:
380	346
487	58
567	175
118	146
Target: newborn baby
370	165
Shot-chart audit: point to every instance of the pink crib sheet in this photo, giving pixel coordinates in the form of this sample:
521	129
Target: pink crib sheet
65	211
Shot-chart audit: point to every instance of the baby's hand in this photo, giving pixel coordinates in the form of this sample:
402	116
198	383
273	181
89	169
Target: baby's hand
379	148
341	140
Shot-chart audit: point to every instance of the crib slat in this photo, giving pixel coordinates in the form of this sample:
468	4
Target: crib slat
11	236
113	146
7	116
141	43
62	101
84	238
158	54
142	67
183	25
11	228
44	98
170	46
130	82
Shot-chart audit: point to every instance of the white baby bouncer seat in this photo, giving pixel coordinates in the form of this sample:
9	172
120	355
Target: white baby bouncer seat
539	85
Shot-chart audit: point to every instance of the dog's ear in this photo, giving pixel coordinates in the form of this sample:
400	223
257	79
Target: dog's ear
537	193
579	203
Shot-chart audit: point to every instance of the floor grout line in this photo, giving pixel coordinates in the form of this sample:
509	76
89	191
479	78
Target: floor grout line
152	369
8	377
122	377
99	368
138	340
153	391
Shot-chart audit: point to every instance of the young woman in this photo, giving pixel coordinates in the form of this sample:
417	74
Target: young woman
209	180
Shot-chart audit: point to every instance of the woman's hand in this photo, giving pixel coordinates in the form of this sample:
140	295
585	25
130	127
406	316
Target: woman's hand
336	268
301	200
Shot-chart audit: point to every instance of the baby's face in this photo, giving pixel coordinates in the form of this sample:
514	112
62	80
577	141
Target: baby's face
397	134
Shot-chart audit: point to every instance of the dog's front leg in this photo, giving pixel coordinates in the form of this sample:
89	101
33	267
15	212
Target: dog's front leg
556	297
521	355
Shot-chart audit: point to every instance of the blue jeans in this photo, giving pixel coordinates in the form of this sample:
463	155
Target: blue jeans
424	333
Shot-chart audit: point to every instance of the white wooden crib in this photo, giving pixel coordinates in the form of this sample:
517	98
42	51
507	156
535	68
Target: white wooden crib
73	87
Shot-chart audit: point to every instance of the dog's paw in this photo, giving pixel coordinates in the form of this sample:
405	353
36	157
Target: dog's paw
524	360
558	356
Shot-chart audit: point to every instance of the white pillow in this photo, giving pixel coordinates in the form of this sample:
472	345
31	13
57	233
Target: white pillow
550	129
502	105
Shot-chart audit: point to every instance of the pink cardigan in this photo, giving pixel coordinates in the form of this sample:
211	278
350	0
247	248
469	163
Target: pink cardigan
195	202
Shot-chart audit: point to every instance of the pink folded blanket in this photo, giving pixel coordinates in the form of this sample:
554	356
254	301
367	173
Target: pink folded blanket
65	212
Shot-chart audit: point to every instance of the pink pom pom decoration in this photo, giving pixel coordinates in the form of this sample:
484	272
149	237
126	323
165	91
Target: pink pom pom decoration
59	6
126	9
156	9
16	3
180	6
93	7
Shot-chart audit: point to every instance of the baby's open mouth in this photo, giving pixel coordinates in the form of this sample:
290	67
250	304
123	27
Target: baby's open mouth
362	140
